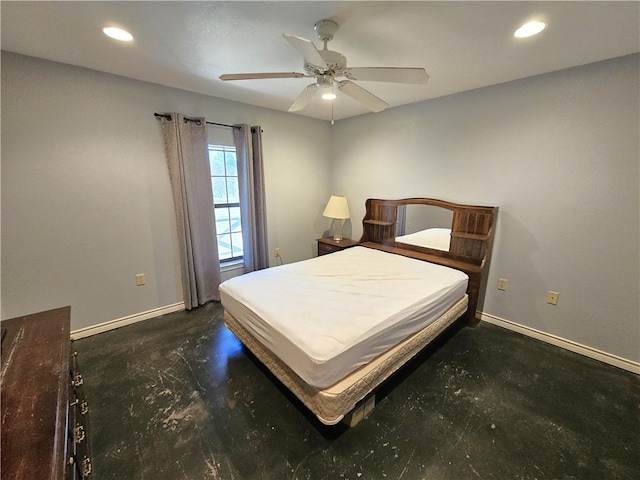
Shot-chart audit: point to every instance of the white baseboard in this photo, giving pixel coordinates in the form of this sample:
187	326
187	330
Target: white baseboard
121	322
590	352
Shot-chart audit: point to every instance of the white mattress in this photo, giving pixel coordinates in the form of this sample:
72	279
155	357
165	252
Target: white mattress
327	316
436	238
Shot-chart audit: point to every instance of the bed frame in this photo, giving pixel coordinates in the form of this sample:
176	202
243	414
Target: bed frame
352	398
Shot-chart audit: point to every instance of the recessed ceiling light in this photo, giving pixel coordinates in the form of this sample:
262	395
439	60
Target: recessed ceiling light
118	34
529	29
328	96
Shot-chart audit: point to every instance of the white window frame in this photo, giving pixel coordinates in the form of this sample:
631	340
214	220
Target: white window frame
237	259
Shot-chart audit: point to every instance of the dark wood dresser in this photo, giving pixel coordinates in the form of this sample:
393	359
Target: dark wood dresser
44	413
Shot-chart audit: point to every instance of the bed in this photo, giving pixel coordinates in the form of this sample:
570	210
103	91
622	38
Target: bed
334	327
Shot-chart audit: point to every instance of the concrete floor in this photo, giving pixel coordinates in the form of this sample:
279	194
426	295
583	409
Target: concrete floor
178	397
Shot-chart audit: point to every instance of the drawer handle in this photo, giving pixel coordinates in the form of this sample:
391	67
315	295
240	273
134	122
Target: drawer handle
77	381
86	467
84	406
78	433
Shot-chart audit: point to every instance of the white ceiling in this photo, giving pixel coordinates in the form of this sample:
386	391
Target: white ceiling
463	45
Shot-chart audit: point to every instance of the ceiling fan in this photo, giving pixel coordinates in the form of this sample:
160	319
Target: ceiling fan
327	66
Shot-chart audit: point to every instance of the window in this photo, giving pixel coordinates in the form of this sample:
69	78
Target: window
226	202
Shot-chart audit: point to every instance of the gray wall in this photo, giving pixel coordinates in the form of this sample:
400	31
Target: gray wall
559	154
86	199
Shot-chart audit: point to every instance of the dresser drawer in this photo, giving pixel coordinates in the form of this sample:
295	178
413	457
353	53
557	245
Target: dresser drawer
329	245
324	248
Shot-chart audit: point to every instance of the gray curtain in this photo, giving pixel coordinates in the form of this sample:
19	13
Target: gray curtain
248	141
185	142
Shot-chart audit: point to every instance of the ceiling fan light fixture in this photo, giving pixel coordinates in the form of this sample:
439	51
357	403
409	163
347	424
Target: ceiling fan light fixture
530	29
118	34
327	67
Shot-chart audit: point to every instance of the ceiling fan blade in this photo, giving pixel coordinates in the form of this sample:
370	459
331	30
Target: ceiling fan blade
307	49
306	95
387	74
258	76
363	96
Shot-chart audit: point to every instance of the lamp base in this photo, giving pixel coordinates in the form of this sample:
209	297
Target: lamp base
338	235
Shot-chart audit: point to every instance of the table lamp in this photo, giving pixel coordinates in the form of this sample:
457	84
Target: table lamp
338	209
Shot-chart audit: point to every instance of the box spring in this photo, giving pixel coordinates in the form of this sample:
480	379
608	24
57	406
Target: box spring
331	404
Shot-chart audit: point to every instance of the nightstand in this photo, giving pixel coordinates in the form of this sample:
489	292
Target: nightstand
329	245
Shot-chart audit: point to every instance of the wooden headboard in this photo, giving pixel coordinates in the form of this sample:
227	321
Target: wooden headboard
472	229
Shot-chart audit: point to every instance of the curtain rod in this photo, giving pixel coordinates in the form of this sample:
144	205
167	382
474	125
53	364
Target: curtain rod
186	119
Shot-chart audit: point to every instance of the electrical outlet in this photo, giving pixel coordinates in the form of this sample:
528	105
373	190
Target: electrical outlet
140	279
277	251
502	284
552	298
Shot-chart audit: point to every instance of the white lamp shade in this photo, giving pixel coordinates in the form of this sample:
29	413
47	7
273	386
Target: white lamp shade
337	207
